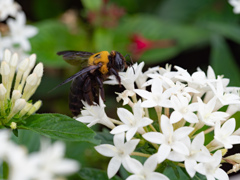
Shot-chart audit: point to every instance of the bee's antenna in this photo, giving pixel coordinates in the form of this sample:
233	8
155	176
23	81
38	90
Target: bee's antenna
130	63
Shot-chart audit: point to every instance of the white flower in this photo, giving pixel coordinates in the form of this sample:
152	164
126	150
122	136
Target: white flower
128	78
119	152
125	96
182	109
157	97
197	153
223	134
20	32
50	161
146	171
132	122
236	5
95	114
8	8
224	97
169	139
211	169
206	114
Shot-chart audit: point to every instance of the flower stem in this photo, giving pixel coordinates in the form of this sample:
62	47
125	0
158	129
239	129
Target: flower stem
116	121
140	154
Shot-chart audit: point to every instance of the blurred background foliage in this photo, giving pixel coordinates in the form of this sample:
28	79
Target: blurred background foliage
186	33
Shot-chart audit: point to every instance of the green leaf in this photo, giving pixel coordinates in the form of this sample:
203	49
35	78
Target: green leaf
29	139
102	39
92	4
222	61
153	28
229	30
58	126
93	174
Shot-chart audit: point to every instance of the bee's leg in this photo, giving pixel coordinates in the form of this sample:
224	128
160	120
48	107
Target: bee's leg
87	91
101	89
115	73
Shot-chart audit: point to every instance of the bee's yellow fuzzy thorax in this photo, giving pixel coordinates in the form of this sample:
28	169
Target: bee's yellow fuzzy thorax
100	57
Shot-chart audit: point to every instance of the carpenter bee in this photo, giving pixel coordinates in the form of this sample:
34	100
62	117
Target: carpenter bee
87	84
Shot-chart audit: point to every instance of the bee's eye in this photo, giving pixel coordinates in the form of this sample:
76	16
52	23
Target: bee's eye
119	62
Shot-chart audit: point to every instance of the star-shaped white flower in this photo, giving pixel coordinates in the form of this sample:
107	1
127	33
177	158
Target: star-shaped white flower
197	153
182	109
94	114
119	152
132	122
169	139
223	135
236	5
128	78
211	169
20	32
146	171
50	161
157	97
206	112
8	8
224	97
125	96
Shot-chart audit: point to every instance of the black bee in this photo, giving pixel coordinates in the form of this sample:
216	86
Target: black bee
87	84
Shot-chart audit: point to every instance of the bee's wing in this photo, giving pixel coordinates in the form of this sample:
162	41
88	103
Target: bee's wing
83	71
76	58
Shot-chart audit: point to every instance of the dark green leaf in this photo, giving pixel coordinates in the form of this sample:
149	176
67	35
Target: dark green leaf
154	29
58	126
223	62
93	174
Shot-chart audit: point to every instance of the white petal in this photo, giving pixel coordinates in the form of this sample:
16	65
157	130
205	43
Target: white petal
175	156
182	132
154	137
143	93
229	126
106	150
163	152
234	139
180	148
221	174
198	141
166	126
133	166
191	117
118	139
131	145
157	176
151	163
175	117
119	129
130	133
124	115
189	165
113	167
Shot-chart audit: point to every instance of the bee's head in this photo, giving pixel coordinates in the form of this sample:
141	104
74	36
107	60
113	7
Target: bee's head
117	61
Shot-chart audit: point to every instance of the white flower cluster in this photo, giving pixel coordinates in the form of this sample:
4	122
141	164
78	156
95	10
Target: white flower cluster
48	163
14	33
188	108
14	95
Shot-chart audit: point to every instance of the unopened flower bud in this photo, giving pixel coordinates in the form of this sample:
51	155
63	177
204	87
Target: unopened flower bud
25	109
32	60
3	92
35	107
13	125
39	70
14	60
7	55
16	94
19	105
5	70
23	65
